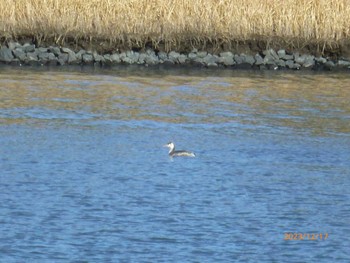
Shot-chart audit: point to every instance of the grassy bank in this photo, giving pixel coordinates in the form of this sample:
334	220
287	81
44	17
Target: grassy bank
179	24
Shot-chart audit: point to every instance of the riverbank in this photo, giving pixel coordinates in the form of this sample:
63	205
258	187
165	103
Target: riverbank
240	34
14	53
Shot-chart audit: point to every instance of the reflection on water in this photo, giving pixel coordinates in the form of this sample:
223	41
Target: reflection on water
84	176
315	103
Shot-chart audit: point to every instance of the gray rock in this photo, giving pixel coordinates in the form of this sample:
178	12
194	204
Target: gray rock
343	63
6	55
270	60
13	45
29	47
42	49
249	59
238	59
115	58
142	58
271	53
182	59
162	55
281	53
98	58
321	60
32	56
63	58
329	65
107	58
210	60
173	56
87	58
55	50
299	59
66	50
192	56
258	60
73	59
227	61
289	64
131	57
226	54
46	57
281	63
151	58
202	54
79	54
19	53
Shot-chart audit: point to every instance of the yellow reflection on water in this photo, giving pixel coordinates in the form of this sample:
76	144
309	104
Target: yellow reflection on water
315	102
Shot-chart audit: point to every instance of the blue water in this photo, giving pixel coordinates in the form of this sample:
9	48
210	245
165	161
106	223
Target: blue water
84	176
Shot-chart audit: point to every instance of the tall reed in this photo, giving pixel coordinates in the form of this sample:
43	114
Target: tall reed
174	22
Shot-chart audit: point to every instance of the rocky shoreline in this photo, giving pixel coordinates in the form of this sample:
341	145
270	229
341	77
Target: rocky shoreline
14	53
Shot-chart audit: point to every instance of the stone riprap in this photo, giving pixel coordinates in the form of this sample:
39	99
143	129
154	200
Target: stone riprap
28	54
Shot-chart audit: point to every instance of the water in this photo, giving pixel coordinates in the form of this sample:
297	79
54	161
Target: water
84	176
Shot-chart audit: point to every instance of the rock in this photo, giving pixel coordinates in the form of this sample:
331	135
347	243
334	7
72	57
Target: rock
290	64
66	50
210	60
258	60
43	56
13	45
42	49
182	59
321	60
6	55
173	56
63	58
226	54
55	50
281	53
343	64
151	59
202	54
87	58
238	59
270	60
131	57
227	61
162	55
192	56
271	53
98	58
79	54
115	58
107	59
19	53
73	59
29	47
329	65
249	59
281	63
142	58
32	56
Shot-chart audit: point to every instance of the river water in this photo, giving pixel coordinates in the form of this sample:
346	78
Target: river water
84	176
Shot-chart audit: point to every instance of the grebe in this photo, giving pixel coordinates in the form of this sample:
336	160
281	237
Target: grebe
173	153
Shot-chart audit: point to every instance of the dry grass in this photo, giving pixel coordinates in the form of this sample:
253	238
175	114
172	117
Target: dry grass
174	22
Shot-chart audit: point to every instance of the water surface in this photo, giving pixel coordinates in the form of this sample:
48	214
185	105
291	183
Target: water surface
84	176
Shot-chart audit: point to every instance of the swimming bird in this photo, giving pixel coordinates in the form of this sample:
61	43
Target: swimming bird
173	153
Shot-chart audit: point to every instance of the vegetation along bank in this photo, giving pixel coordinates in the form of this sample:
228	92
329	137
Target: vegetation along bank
260	34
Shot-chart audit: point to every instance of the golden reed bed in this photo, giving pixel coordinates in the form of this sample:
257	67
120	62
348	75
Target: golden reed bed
174	23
